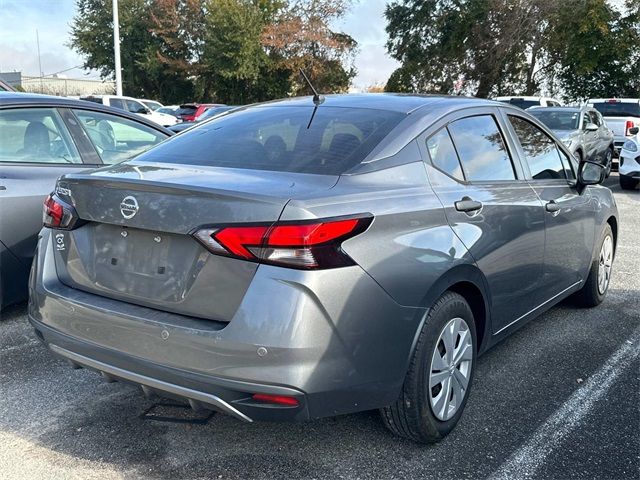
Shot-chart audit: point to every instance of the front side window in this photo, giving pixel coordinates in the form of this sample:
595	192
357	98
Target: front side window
481	149
541	153
116	138
35	135
280	138
594	118
443	154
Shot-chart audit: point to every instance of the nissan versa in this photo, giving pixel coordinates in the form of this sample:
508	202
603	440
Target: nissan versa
314	257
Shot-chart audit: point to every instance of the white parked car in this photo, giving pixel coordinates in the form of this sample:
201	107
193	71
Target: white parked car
630	161
134	106
621	115
528	102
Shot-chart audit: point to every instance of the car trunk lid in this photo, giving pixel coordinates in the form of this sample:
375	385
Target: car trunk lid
136	244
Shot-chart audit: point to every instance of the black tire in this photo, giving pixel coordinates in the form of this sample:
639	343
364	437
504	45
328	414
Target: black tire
628	183
589	295
411	416
608	162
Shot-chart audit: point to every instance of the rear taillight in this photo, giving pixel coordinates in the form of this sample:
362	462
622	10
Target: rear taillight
307	245
57	214
628	126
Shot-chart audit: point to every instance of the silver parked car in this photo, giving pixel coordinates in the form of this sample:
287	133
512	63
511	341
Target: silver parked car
41	138
583	131
301	259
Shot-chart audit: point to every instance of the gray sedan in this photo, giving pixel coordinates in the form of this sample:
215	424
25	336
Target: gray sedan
582	130
305	258
41	138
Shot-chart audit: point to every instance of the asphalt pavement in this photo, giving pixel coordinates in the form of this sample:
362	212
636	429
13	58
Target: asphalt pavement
560	399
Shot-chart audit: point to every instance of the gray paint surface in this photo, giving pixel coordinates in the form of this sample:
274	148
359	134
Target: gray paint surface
341	337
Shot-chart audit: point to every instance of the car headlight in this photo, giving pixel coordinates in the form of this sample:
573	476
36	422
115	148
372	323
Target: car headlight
630	146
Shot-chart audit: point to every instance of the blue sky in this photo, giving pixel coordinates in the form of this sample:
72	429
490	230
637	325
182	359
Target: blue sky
19	20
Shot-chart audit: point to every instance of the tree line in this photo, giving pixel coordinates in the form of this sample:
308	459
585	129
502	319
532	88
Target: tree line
576	49
241	51
231	51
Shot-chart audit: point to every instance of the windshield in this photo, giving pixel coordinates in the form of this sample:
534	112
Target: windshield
152	105
277	138
558	120
618	109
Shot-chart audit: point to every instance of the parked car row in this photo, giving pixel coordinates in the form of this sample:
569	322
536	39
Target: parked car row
601	130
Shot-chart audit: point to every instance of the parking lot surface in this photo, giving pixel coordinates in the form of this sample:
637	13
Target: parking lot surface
560	399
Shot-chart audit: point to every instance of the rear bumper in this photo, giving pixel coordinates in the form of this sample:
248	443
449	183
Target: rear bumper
334	340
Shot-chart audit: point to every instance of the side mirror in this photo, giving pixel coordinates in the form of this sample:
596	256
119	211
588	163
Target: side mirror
633	130
590	173
591	127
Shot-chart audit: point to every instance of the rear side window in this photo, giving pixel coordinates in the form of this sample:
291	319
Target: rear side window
35	135
618	109
280	138
541	153
523	104
117	103
443	154
116	138
481	149
186	110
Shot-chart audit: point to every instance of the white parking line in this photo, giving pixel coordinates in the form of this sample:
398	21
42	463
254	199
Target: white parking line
529	457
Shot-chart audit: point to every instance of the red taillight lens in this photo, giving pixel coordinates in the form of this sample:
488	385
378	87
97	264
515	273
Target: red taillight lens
52	213
628	126
276	399
307	245
57	214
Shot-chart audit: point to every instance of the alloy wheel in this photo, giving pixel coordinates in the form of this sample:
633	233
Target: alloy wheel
450	370
605	262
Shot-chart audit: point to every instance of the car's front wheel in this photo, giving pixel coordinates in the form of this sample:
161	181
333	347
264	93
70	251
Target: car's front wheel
437	384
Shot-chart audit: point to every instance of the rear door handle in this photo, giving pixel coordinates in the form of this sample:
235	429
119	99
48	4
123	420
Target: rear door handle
552	207
468	205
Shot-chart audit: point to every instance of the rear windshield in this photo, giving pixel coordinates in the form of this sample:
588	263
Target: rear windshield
186	110
277	138
522	103
618	109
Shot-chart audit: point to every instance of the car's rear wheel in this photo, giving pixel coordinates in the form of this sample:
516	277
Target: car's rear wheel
437	385
597	284
628	183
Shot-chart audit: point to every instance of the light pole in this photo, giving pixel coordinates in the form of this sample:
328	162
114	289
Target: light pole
116	48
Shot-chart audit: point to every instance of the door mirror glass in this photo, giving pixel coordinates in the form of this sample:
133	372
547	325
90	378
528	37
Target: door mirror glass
590	173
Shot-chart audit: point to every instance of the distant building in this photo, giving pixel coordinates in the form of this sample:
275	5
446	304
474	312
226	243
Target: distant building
60	86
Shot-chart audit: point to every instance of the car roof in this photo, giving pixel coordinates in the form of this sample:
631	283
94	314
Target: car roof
395	102
17	99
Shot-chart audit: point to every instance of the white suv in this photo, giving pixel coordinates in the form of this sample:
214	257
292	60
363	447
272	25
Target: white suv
528	102
630	161
134	106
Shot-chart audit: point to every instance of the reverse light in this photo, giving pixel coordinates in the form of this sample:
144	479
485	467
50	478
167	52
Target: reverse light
306	245
57	214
